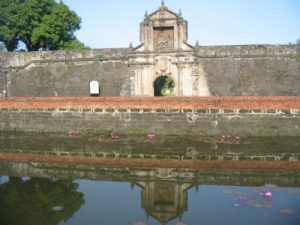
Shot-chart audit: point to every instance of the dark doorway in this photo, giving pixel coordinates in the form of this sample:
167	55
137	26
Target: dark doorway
164	86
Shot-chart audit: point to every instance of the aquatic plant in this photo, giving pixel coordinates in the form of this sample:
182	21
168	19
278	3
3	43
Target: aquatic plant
260	197
230	139
150	137
286	211
73	133
139	223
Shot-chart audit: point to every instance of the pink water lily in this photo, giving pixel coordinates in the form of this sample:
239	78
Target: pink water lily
150	137
114	136
268	194
73	133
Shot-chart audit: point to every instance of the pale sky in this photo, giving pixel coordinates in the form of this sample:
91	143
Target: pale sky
115	23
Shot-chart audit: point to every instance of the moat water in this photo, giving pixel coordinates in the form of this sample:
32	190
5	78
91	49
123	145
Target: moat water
30	201
231	147
37	193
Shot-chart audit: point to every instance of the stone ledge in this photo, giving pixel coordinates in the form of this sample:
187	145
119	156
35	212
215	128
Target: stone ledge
285	112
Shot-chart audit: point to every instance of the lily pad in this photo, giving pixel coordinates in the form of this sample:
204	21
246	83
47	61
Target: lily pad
256	205
286	211
57	208
139	223
227	191
294	191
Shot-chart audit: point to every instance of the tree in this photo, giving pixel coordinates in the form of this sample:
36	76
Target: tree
8	19
168	88
39	24
73	44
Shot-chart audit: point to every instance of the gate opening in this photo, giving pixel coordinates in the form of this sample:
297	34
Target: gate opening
164	86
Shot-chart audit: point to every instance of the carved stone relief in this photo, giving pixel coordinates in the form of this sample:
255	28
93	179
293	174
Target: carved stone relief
163	38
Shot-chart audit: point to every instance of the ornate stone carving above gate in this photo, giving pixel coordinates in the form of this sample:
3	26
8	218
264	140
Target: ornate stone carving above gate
163	38
163	30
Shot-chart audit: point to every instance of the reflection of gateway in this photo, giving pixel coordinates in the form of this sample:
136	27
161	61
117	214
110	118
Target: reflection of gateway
164	201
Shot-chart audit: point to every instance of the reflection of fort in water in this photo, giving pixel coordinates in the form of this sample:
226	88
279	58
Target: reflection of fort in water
164	200
164	191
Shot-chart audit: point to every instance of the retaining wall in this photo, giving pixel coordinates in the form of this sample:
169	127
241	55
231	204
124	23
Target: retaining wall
278	116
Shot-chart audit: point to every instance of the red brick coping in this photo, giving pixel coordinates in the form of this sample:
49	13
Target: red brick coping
151	163
249	102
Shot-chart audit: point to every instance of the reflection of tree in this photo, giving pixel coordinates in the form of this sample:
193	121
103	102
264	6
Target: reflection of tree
31	202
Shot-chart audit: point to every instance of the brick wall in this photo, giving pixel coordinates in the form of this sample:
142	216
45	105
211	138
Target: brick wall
259	103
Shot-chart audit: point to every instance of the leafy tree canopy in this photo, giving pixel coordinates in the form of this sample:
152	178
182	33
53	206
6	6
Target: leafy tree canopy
39	24
168	88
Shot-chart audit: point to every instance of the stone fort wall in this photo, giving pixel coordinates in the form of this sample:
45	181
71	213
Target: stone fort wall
64	73
257	70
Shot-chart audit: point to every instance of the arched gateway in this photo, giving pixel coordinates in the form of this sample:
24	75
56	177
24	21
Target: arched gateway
164	52
164	86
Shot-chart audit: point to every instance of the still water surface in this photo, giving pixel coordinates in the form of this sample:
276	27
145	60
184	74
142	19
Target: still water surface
161	146
34	194
30	200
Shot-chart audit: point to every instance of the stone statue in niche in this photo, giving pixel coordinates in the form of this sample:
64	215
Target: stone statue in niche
163	39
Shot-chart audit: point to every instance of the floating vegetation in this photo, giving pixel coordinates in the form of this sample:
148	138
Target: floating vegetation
73	133
114	137
228	139
57	208
227	191
150	137
294	191
256	205
139	223
286	211
258	198
273	186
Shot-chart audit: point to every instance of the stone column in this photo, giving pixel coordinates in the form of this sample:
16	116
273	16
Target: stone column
132	77
187	81
145	81
180	80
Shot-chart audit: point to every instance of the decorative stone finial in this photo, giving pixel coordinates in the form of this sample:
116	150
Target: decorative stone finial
163	4
146	14
197	43
180	13
130	45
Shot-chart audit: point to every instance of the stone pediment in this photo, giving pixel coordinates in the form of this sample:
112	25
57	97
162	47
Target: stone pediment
163	13
163	30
